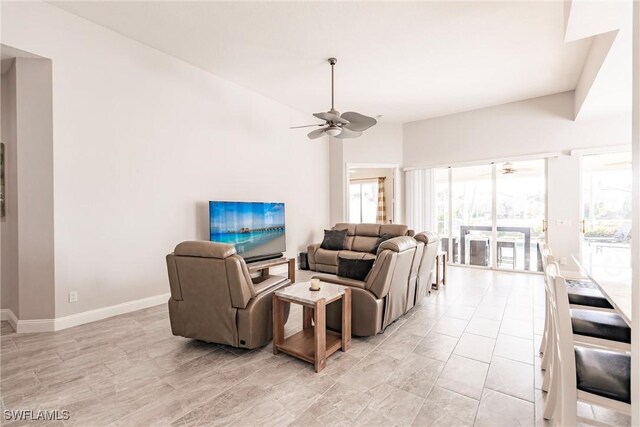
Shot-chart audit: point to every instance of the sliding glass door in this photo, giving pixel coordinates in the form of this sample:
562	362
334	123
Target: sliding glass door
441	207
520	214
471	214
492	215
606	200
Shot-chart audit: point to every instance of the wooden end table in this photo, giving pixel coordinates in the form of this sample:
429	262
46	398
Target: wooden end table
314	343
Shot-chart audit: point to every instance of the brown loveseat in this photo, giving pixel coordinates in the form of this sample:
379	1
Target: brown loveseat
361	238
382	297
214	299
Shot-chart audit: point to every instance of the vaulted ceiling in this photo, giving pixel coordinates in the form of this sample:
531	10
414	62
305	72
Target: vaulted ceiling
405	61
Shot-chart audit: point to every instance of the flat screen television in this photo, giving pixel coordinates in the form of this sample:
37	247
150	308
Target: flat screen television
257	229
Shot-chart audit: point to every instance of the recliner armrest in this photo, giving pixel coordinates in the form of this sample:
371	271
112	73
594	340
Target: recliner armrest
311	254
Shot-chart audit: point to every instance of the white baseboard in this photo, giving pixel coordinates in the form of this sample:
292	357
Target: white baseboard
6	315
50	325
113	310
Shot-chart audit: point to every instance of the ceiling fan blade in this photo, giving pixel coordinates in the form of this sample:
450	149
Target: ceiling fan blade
333	118
357	121
306	126
315	134
348	133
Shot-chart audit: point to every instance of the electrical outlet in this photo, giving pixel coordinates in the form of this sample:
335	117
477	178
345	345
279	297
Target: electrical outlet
73	296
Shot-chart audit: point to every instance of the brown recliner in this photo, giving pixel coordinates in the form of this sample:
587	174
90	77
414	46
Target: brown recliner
214	299
380	299
412	283
431	243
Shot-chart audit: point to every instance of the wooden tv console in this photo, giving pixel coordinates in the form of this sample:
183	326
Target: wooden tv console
263	266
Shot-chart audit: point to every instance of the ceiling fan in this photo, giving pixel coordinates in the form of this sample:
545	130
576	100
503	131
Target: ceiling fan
345	125
508	169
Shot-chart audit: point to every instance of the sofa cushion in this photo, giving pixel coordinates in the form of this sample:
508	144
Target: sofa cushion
354	268
334	240
349	242
371	230
351	228
324	256
364	243
395	229
383	238
356	255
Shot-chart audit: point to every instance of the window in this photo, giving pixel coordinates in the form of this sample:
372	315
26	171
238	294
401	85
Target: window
363	201
606	200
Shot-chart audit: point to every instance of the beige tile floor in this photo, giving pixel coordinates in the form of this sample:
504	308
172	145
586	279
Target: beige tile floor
467	355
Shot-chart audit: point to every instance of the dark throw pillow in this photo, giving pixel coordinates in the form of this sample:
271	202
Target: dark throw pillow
334	240
354	268
384	237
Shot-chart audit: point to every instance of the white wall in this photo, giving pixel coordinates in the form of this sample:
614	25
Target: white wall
34	122
533	126
382	143
141	142
337	183
9	224
564	188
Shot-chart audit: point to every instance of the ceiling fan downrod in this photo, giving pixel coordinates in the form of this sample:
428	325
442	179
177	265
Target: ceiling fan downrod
332	61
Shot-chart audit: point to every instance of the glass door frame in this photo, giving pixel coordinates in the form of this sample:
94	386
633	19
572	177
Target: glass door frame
493	263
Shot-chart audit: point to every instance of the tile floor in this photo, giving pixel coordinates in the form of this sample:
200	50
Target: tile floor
467	355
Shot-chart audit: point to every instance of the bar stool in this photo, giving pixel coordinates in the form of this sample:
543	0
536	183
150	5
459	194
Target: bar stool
590	328
583	295
578	373
506	243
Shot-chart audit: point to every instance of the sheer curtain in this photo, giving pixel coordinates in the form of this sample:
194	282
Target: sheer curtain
418	199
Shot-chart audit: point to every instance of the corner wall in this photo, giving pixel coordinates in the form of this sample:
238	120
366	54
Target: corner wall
34	122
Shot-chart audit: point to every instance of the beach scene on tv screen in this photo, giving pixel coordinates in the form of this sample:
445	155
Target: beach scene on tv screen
255	229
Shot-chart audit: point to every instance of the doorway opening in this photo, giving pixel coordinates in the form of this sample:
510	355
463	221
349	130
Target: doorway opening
371	195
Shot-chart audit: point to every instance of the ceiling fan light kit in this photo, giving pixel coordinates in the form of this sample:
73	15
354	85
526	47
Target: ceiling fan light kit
347	125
